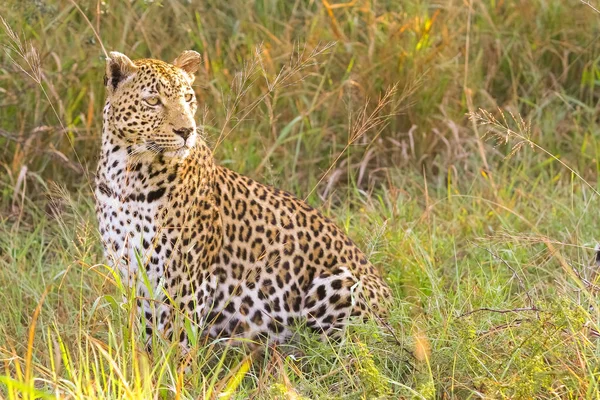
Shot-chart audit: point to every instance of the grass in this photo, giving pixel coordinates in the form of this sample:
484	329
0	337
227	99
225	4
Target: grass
485	226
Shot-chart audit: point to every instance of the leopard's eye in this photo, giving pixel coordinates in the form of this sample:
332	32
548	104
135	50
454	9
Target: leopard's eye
152	101
189	97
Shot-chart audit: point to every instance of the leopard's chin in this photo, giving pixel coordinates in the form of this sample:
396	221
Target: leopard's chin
182	153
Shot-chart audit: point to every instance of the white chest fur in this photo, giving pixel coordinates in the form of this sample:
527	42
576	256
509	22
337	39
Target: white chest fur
129	233
129	225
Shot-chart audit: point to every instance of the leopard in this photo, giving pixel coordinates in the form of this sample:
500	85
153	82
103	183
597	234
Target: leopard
241	260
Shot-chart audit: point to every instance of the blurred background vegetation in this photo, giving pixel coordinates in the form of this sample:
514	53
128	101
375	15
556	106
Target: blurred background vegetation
537	59
362	107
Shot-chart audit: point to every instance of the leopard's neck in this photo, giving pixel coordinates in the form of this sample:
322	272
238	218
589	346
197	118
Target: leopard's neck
126	176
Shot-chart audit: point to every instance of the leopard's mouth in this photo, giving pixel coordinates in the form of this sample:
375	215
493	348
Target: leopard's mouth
171	149
168	151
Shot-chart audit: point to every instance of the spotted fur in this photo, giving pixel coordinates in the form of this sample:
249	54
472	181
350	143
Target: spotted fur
242	259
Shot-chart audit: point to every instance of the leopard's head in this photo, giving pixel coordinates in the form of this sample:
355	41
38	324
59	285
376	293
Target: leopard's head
150	104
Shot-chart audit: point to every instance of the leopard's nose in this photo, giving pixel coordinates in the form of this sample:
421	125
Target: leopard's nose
183	132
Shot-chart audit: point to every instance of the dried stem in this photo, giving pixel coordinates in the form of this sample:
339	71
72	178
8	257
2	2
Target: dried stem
502	131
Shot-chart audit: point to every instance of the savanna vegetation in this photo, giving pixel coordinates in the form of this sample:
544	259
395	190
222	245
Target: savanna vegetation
458	142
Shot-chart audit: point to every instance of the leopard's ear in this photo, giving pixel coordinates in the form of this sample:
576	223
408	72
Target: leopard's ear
189	61
118	68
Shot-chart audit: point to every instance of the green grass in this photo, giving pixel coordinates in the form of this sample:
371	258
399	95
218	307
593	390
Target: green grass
490	258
